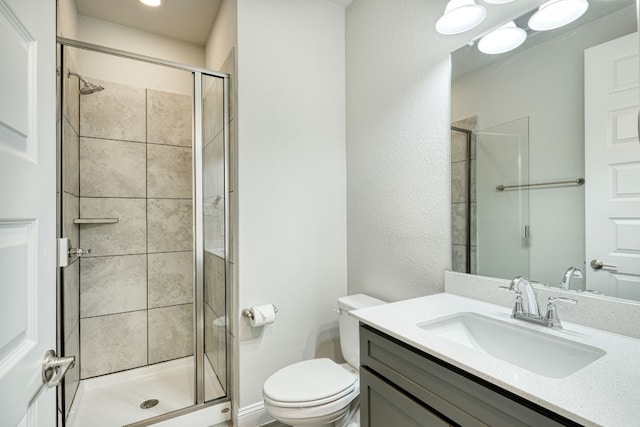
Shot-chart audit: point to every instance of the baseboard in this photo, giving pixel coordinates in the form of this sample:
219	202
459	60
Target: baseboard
253	415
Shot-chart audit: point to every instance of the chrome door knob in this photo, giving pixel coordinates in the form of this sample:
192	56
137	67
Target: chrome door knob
596	264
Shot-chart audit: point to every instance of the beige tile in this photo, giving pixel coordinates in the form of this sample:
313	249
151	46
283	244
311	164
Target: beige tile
70	160
213	107
170	279
111	285
72	377
233	159
71	97
169	119
117	112
71	292
213	167
458	182
169	171
111	168
113	343
459	223
474	224
170	225
458	146
170	332
459	258
473	179
214	282
126	237
229	67
209	337
71	210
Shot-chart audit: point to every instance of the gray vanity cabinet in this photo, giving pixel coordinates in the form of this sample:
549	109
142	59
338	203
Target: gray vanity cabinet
403	386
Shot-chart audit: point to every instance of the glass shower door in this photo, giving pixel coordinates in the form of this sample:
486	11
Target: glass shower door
503	215
214	212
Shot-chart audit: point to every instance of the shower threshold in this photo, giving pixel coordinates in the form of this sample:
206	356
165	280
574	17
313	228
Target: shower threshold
118	399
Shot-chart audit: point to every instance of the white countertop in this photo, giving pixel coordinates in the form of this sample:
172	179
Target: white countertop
604	393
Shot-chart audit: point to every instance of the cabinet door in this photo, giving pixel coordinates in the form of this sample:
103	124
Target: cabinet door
382	405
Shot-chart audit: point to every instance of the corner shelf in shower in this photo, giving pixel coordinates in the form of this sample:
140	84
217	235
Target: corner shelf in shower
96	220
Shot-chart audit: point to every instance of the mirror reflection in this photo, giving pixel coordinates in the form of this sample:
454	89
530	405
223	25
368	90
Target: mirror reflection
545	156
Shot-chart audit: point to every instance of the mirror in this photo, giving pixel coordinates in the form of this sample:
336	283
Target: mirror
545	155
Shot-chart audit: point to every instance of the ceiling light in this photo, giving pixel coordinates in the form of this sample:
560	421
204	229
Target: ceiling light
503	39
460	16
556	13
152	3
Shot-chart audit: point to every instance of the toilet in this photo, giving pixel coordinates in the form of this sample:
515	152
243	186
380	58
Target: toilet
321	392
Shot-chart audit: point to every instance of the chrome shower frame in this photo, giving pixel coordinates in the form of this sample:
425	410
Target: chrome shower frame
198	217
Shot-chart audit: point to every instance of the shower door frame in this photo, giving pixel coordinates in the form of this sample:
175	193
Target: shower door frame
198	216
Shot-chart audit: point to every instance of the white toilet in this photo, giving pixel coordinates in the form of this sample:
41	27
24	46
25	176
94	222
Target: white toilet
320	392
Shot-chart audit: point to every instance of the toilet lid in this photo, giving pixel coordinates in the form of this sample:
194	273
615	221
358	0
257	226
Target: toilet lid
309	381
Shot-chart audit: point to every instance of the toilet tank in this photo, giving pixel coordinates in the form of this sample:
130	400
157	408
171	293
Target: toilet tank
349	337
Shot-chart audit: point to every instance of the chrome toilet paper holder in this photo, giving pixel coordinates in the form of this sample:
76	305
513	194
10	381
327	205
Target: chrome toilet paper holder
248	312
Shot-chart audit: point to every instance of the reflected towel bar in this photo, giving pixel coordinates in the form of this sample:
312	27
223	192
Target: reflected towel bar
578	181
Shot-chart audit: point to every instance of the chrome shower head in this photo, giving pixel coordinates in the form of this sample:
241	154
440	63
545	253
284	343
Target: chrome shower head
87	86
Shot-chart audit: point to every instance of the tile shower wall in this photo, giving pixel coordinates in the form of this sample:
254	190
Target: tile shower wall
71	207
136	287
460	188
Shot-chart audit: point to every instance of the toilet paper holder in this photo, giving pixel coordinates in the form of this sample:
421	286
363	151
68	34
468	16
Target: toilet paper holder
248	312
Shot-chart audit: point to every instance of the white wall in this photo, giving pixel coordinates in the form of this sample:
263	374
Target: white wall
292	201
135	73
399	240
546	84
67	19
223	35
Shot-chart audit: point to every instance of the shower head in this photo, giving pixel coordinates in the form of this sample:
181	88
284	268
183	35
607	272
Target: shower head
87	86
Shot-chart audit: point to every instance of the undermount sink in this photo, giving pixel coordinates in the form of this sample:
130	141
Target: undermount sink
538	352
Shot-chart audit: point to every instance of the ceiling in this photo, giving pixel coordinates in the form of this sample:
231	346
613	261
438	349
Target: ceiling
185	20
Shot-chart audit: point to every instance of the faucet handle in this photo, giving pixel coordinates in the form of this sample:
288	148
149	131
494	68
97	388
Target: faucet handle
553	300
552	313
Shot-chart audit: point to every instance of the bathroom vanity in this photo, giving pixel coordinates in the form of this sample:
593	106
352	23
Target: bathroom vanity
420	367
403	386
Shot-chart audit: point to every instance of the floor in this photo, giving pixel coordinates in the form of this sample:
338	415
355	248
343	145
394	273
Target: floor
114	400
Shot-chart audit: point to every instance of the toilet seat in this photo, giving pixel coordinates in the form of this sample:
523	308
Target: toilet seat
310	383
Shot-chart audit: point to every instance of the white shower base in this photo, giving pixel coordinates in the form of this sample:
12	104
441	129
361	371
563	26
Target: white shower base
114	400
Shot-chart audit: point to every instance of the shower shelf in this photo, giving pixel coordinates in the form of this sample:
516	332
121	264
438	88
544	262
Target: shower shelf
95	220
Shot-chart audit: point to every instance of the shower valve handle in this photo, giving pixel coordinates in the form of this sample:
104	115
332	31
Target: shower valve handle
78	252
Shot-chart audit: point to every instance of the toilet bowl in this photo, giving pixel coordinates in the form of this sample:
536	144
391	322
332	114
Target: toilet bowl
321	392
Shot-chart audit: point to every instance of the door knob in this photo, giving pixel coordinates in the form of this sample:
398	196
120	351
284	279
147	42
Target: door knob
596	264
54	368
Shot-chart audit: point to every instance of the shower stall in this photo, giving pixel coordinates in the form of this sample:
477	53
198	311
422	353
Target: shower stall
144	293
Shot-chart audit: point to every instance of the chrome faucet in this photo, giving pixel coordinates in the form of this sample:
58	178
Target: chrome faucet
532	313
532	297
568	275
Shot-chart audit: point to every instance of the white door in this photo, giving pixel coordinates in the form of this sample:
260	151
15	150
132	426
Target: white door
27	209
612	167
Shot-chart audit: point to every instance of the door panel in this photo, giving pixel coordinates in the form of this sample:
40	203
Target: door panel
612	167
27	211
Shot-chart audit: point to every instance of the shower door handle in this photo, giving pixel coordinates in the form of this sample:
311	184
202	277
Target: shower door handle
54	368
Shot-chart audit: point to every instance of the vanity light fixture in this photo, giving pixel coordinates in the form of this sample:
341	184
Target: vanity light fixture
503	39
460	16
152	3
498	1
557	13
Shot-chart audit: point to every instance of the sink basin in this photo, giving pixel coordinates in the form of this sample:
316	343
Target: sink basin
538	352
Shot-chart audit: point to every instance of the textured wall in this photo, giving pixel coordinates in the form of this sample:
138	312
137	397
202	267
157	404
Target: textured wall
291	183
